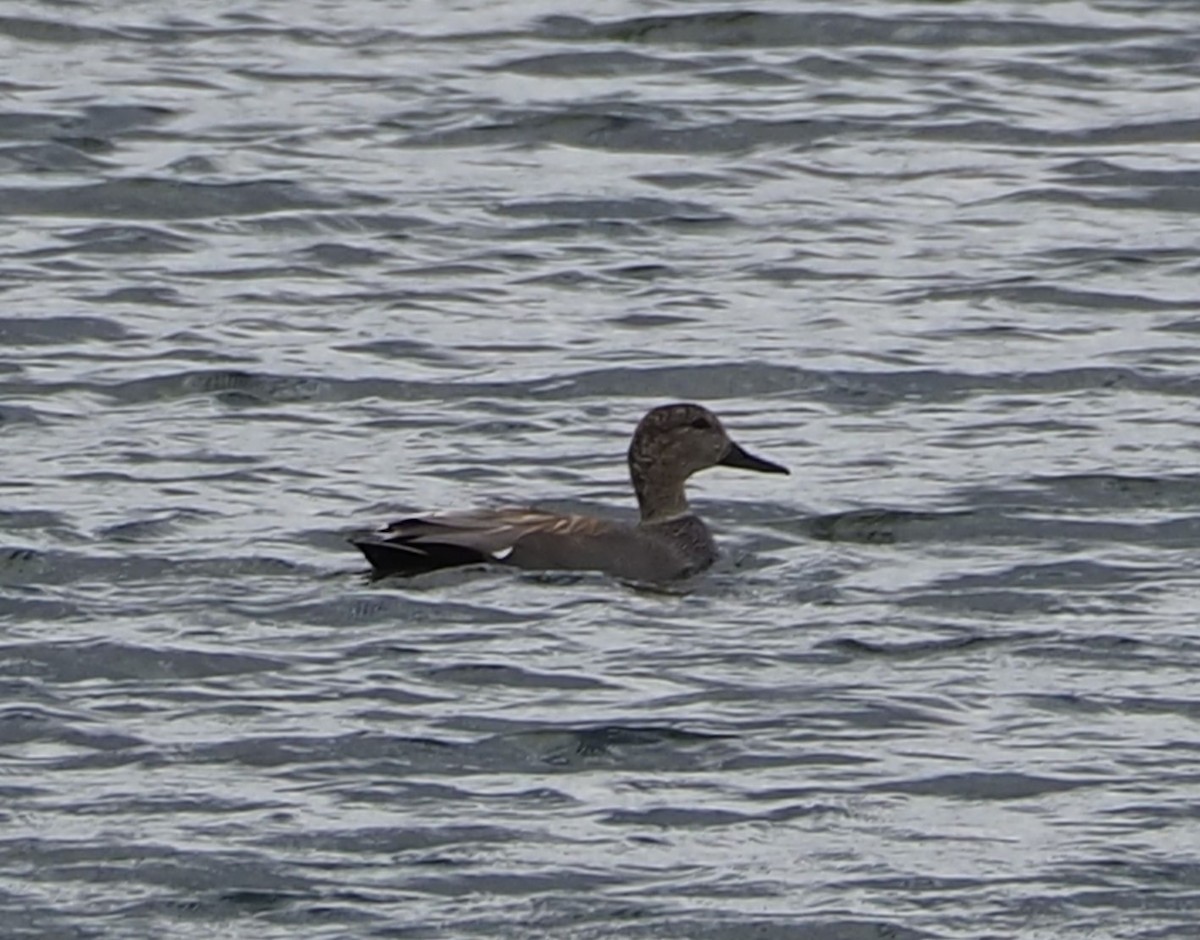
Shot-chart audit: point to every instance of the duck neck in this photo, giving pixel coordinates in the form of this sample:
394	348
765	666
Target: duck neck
659	497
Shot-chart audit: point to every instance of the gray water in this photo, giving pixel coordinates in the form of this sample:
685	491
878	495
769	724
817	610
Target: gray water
275	272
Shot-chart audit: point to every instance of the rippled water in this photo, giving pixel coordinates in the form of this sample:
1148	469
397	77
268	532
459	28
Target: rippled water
275	272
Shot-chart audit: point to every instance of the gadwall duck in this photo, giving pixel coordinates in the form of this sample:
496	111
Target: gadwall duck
669	541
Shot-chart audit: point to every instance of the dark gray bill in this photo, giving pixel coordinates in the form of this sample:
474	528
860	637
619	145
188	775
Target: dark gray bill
744	460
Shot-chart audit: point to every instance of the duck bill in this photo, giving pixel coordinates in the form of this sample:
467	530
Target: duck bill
744	460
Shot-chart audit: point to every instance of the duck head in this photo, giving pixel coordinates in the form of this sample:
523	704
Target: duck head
670	444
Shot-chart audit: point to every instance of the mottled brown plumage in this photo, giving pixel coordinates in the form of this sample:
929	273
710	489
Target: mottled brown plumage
670	444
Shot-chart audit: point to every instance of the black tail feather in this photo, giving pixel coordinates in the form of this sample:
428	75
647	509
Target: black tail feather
398	557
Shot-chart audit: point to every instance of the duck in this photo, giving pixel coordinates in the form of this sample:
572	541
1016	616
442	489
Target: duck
669	541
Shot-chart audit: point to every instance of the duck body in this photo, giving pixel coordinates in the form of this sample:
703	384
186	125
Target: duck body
668	542
536	540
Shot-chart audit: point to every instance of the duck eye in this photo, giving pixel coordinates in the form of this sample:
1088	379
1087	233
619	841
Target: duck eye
702	424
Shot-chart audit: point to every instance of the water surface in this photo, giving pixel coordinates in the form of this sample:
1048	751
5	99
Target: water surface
272	274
